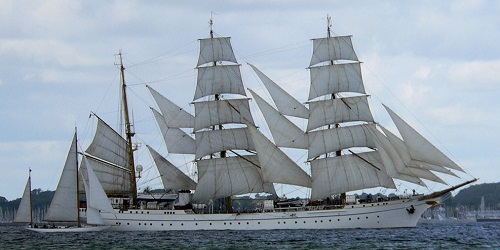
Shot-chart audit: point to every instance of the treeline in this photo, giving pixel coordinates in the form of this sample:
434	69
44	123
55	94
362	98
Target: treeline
40	201
471	196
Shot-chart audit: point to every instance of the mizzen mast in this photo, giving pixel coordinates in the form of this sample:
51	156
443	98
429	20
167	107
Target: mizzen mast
128	132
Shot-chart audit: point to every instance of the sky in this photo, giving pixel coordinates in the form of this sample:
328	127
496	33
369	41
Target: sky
435	63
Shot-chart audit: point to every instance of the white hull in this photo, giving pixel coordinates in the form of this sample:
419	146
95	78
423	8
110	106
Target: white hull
388	214
69	229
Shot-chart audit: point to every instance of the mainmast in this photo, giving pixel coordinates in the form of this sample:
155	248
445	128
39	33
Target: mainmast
229	201
128	132
343	196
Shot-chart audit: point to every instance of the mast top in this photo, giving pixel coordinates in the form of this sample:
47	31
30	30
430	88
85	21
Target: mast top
211	22
329	24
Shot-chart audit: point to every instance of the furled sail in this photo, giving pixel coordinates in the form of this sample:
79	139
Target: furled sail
286	104
218	112
109	155
276	166
23	213
285	133
177	141
332	49
64	206
223	177
419	147
174	116
171	176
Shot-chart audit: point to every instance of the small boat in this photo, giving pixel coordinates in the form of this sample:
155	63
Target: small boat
64	207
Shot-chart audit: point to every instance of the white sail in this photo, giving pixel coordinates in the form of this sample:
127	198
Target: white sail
23	213
93	215
109	154
286	104
285	133
419	147
64	205
211	141
171	176
98	198
219	112
215	50
393	164
221	79
174	116
276	166
113	178
332	48
335	175
402	150
223	177
177	141
332	111
335	139
336	78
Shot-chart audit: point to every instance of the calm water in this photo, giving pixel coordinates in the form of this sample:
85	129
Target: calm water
426	236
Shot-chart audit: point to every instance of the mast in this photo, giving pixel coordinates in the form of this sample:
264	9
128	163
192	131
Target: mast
129	133
343	196
77	181
31	203
229	201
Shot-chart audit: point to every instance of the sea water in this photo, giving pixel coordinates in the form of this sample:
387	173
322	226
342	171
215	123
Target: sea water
445	235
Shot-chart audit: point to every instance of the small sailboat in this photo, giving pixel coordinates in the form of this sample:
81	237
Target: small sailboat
64	207
24	213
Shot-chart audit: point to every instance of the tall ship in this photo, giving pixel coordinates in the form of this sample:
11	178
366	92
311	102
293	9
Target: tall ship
347	151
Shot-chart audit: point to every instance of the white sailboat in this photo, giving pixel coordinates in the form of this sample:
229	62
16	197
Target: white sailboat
233	157
64	207
24	213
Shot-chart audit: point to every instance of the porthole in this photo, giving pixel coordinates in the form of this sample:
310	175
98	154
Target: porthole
238	223
150	224
366	217
128	223
338	219
358	218
182	224
139	224
329	220
295	222
258	222
349	218
170	224
248	223
162	224
196	224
